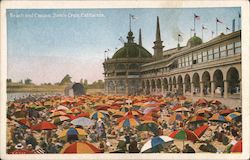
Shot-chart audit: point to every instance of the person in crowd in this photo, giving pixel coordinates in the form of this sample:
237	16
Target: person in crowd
188	149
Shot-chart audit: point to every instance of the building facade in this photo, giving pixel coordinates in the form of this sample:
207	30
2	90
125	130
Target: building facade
201	69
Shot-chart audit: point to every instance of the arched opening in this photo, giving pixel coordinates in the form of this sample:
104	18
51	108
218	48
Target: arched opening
218	82
165	84
196	82
147	87
158	84
111	86
174	84
207	83
180	85
120	66
187	82
171	84
120	87
233	80
153	85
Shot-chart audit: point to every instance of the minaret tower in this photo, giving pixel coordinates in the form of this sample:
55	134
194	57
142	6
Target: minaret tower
140	41
158	47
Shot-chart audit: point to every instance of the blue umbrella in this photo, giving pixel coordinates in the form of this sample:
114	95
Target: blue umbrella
154	144
72	131
82	121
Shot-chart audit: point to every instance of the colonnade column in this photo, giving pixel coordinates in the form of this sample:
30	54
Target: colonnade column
162	88
212	88
225	89
201	89
126	87
184	89
192	88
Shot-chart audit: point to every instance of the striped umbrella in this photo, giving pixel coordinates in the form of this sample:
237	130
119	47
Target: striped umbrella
197	119
58	113
60	119
80	147
177	117
152	145
129	122
99	114
217	118
124	109
72	131
232	116
183	135
225	112
201	130
237	147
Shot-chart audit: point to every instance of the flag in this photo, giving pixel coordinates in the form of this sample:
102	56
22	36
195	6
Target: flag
192	29
212	32
203	27
105	51
239	15
217	20
196	17
121	39
132	16
180	38
227	28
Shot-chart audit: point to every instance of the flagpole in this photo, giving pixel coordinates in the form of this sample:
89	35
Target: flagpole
216	28
202	33
194	25
129	22
239	20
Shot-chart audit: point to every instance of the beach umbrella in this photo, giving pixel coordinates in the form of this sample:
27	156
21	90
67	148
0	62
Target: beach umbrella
102	107
80	147
44	126
148	126
75	110
99	114
184	135
58	113
151	145
232	116
24	122
201	101
203	111
129	122
118	114
82	121
237	147
83	114
134	113
217	118
151	109
215	102
226	111
197	119
39	108
47	103
177	117
60	119
201	130
72	131
124	109
176	107
182	98
182	109
61	107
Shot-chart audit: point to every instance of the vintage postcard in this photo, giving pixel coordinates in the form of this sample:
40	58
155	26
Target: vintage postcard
124	80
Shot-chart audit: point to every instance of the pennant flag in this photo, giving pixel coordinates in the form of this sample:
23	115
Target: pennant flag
132	16
227	28
239	15
203	27
196	17
217	20
121	39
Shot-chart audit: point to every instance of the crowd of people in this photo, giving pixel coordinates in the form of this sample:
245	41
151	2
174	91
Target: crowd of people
121	124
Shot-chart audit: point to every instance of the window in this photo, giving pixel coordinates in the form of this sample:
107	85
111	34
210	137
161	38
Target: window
199	58
179	63
230	49
210	55
186	61
237	46
190	59
223	52
216	53
204	56
195	58
183	62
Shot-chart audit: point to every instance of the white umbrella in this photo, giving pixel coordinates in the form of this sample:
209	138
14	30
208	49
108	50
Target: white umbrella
82	121
156	141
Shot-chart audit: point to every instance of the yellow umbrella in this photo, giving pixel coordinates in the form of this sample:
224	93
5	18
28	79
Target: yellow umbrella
80	131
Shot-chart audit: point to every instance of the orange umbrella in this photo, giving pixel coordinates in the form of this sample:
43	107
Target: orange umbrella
80	147
44	126
201	101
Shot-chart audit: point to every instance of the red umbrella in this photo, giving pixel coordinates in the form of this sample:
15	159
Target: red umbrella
22	151
200	130
83	114
226	111
25	122
102	107
216	102
176	107
80	147
184	134
201	101
44	126
197	119
75	110
237	147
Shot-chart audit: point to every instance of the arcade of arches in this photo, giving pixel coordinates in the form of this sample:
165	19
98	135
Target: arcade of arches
223	82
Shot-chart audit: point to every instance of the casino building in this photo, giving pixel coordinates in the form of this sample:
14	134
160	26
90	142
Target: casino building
210	68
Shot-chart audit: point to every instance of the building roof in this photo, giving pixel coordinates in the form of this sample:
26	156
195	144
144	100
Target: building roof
194	41
131	50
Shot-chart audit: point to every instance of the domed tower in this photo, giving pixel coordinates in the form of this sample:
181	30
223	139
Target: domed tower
122	71
194	41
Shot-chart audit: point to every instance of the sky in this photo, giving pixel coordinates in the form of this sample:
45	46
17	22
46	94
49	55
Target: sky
46	44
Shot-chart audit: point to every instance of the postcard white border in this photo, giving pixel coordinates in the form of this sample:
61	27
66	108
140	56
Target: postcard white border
129	4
